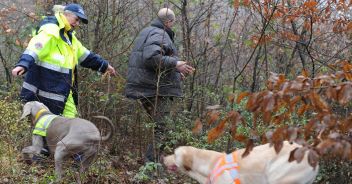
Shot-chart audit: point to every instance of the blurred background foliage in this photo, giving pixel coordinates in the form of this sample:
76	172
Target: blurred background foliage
218	38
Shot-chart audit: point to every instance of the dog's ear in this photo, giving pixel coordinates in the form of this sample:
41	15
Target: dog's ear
187	162
26	110
185	157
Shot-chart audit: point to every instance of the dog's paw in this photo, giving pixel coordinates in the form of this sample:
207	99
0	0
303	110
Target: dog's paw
28	161
26	158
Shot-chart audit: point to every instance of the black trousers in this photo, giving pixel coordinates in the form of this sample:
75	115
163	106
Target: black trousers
158	108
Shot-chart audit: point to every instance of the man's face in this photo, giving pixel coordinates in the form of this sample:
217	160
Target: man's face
73	20
169	23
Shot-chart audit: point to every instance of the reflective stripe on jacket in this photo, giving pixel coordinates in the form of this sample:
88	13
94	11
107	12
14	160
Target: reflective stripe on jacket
226	163
50	61
42	124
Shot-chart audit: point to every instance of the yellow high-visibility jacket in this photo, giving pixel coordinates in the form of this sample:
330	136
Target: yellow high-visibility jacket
50	60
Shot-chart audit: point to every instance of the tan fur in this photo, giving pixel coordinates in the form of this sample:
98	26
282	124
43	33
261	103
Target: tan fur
261	166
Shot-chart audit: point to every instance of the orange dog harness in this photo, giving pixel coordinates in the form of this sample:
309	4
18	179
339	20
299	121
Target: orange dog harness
226	163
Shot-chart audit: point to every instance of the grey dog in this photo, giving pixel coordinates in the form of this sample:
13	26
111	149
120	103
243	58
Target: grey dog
66	138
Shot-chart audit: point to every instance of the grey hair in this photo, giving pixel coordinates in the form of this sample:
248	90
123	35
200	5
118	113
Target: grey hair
166	14
58	8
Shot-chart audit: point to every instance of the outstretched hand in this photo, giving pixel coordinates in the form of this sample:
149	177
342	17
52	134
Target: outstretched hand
184	68
18	71
111	70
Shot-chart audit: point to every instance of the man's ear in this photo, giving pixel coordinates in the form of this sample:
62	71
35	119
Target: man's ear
26	110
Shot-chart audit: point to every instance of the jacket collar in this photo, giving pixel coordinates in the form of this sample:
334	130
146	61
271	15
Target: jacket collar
159	24
62	29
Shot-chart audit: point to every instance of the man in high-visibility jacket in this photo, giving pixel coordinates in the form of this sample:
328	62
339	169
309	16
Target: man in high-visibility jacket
50	62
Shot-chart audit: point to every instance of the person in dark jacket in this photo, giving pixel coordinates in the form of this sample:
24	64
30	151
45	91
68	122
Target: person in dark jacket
155	73
51	58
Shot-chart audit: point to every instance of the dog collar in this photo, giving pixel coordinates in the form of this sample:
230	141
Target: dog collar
40	112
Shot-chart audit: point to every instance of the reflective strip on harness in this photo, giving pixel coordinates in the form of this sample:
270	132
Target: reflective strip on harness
42	93
226	163
43	124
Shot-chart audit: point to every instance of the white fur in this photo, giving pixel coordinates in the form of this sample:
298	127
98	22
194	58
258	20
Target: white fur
261	166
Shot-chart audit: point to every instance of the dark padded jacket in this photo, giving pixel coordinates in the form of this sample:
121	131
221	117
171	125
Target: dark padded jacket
152	64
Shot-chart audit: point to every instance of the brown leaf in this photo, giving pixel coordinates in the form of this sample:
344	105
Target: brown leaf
299	154
212	117
233	131
249	148
294	101
240	138
313	158
325	80
305	73
319	103
331	92
279	134
329	120
309	127
345	94
347	151
234	117
346	125
253	102
291	158
255	119
347	68
217	131
241	96
278	146
296	86
340	75
310	4
292	134
302	109
268	102
325	146
267	117
278	119
231	98
18	42
236	4
198	126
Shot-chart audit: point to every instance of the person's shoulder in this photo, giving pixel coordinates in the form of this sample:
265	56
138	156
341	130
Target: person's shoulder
49	20
152	30
50	26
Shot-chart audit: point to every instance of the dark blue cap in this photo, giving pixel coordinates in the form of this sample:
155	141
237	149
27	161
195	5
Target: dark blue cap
77	10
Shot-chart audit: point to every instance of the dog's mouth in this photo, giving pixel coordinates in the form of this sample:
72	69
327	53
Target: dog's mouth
172	168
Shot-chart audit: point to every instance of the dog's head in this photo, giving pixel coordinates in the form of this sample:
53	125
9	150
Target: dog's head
182	159
194	162
32	108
